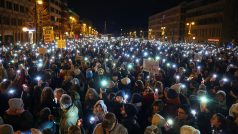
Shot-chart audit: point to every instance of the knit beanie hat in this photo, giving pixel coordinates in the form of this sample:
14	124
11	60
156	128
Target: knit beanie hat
16	104
220	92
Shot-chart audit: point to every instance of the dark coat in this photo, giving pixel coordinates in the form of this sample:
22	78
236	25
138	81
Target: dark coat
23	121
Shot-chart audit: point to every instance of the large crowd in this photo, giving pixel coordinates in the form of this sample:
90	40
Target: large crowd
96	86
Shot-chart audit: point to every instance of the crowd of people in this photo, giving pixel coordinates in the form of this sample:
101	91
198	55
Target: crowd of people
96	86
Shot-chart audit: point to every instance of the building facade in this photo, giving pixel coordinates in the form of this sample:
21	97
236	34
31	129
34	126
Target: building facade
13	17
208	16
167	25
199	21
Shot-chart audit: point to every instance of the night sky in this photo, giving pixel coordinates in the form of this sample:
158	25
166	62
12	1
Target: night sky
119	14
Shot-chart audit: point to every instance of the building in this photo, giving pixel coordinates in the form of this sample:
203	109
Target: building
200	21
207	17
13	17
57	12
215	20
167	25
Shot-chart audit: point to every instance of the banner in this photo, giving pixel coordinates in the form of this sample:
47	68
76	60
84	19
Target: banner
151	66
61	44
48	33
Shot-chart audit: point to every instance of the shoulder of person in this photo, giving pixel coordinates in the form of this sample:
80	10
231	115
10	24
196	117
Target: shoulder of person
98	129
121	129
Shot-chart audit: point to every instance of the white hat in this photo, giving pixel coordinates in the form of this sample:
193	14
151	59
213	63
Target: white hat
221	92
16	104
188	130
233	109
126	81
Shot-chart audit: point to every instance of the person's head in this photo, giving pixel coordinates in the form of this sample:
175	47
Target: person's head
220	95
218	120
109	121
16	104
158	120
158	106
47	94
44	113
74	130
65	102
58	93
100	107
119	97
128	110
91	94
233	111
185	129
183	112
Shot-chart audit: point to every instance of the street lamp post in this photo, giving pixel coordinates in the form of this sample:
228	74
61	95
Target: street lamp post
190	24
37	2
163	32
150	34
89	30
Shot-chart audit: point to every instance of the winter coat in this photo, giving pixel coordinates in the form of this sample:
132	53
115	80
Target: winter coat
68	118
203	119
118	129
23	121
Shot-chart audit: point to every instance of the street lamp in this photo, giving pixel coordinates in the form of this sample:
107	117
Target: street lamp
190	24
40	2
163	32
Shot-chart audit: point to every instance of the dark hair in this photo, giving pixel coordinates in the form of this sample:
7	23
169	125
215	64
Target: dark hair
221	118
